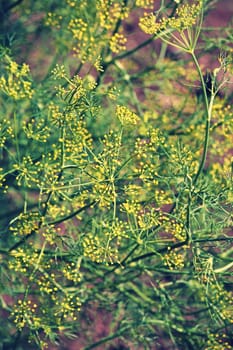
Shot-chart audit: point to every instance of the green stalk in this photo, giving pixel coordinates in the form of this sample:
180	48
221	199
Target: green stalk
16	137
208	110
108	338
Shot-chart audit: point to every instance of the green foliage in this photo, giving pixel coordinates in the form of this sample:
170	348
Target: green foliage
116	176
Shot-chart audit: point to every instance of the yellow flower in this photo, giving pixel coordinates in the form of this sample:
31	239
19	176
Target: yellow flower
149	4
148	24
97	64
125	116
117	43
13	67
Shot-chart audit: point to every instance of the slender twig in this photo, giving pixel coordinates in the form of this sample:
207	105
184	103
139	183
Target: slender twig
23	240
78	211
109	337
208	111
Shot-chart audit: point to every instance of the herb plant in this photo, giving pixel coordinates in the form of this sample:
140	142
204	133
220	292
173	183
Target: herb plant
116	175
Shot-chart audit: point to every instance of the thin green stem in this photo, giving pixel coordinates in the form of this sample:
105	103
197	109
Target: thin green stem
72	215
106	339
16	137
162	52
208	111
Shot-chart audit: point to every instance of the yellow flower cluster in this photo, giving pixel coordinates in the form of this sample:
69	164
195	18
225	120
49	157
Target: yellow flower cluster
51	233
148	24
87	49
131	207
186	17
75	146
221	174
204	269
224	302
105	193
94	249
37	130
24	313
74	95
110	12
18	71
71	3
26	223
59	72
6	131
17	84
174	261
162	197
217	342
48	175
98	65
176	229
146	152
3	185
81	4
68	307
47	285
155	139
57	210
88	35
148	4
111	146
149	145
104	169
126	116
135	192
53	20
72	273
223	116
113	93
148	164
78	28
183	158
55	115
148	219
118	43
27	172
23	260
117	231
